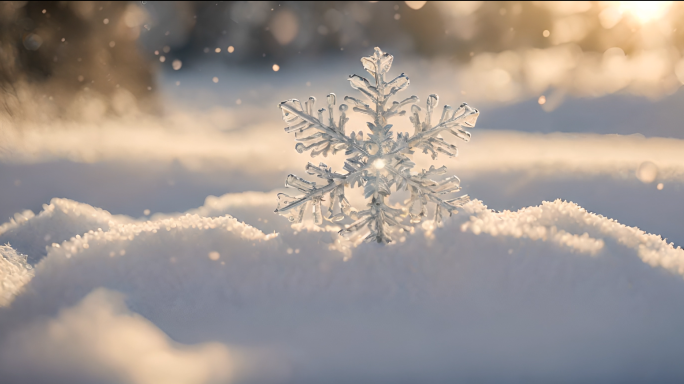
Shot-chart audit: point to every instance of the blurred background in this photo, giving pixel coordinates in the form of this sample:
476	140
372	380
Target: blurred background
507	51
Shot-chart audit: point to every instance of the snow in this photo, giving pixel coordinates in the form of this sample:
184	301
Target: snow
538	290
59	221
101	340
387	311
15	272
550	222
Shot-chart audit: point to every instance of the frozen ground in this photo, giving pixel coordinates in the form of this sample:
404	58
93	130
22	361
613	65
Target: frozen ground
545	294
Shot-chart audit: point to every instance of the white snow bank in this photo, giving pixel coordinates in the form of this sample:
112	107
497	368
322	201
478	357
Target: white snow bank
59	221
101	340
444	305
120	235
562	222
580	154
15	272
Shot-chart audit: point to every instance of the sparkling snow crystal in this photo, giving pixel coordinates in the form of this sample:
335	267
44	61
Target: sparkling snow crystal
377	162
15	272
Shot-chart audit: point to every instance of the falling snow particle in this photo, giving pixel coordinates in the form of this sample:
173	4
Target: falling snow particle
660	186
217	50
162	58
397	16
112	44
647	172
276	67
215	79
213	255
105	21
546	33
146	212
231	49
177	64
542	100
238	101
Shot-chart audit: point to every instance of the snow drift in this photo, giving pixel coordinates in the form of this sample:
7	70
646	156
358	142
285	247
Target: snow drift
443	305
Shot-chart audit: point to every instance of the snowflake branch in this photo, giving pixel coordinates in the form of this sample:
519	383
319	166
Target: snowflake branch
465	116
449	185
316	123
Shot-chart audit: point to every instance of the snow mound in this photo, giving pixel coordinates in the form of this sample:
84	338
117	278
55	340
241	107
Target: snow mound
101	340
219	206
253	208
445	304
59	221
15	272
560	221
122	234
256	209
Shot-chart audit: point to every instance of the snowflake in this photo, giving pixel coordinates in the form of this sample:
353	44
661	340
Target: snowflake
377	162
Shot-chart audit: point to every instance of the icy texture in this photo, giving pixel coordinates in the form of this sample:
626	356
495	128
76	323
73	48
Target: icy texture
59	221
15	272
556	221
127	232
377	162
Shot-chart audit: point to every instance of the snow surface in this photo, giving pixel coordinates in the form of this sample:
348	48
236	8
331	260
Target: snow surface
206	292
15	272
388	313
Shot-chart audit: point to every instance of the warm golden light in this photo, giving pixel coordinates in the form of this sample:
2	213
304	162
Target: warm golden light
645	11
379	164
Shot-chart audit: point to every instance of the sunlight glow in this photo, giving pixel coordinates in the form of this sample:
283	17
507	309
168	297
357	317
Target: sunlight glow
645	11
379	164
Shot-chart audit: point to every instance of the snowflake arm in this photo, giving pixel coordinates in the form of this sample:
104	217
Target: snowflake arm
424	190
455	121
310	130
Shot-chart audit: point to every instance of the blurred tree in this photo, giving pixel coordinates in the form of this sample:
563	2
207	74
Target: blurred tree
60	57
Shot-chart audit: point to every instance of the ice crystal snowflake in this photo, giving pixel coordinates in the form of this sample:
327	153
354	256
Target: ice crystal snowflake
376	162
